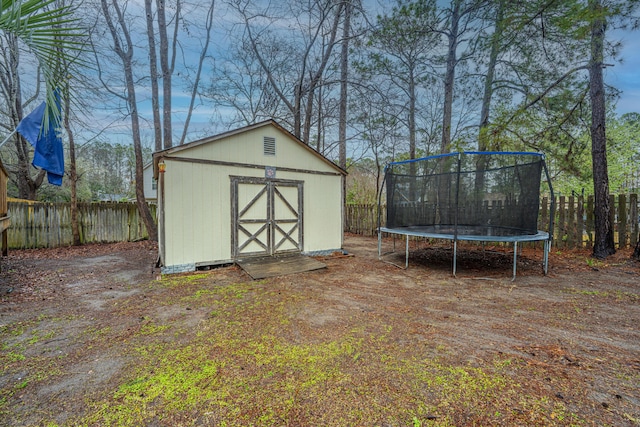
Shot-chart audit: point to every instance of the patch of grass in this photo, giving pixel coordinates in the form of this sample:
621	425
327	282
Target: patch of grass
15	329
247	364
543	411
152	328
98	332
593	263
36	337
12	357
22	384
594	293
619	295
172	280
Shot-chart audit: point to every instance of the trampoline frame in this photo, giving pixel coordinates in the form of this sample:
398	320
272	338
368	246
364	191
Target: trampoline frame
427	231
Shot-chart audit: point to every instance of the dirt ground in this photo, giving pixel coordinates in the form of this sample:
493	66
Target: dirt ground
565	347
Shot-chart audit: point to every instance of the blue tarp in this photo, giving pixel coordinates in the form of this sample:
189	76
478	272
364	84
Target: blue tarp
47	143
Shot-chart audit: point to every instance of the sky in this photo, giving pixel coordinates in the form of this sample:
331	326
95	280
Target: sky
623	75
626	75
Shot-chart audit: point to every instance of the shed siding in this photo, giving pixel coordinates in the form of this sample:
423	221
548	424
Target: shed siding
247	148
197	196
196	202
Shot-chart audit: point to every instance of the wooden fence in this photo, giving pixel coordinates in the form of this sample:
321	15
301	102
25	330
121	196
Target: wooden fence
37	225
573	220
48	225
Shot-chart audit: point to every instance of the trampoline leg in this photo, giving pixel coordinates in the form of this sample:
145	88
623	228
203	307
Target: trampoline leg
545	257
455	256
406	254
515	259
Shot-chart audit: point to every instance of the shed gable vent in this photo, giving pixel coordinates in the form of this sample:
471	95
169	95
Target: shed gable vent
269	146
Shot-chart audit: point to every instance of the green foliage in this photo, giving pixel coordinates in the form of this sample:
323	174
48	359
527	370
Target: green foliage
49	31
361	183
623	153
572	171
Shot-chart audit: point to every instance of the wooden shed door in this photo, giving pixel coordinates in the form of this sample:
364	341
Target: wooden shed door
266	215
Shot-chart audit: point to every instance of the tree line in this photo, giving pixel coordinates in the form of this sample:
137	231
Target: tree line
361	82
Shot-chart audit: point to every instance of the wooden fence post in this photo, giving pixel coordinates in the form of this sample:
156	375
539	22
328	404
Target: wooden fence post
544	212
590	221
622	221
571	223
580	226
562	226
612	217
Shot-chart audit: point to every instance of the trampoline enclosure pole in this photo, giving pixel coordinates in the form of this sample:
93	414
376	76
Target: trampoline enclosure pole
455	219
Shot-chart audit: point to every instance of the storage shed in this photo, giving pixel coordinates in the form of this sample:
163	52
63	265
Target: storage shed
253	191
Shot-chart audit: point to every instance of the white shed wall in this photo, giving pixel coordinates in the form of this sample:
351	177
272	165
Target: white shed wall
197	197
150	193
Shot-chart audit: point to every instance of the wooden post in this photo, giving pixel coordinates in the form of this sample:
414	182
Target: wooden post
612	217
571	223
580	223
544	213
622	220
562	226
590	220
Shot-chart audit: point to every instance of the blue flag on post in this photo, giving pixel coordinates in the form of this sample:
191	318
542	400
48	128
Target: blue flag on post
47	143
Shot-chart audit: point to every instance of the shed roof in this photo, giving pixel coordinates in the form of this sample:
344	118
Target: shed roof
216	138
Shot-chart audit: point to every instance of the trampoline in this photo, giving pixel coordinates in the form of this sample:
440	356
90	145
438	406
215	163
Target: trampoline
468	196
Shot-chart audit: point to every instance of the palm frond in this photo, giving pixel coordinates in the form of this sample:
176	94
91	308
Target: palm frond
51	33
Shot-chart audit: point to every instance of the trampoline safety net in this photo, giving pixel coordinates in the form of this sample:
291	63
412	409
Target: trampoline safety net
470	193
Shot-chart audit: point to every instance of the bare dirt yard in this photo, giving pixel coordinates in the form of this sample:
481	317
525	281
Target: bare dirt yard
92	336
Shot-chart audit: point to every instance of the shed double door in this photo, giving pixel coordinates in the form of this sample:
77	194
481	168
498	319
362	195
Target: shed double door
266	216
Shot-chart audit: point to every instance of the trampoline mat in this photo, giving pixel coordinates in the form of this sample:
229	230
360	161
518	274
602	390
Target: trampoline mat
469	232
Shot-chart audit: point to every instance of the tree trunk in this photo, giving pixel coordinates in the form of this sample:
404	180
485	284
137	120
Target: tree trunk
153	74
636	251
603	243
412	113
307	81
196	83
21	172
496	37
484	142
73	175
125	53
449	78
344	75
167	72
